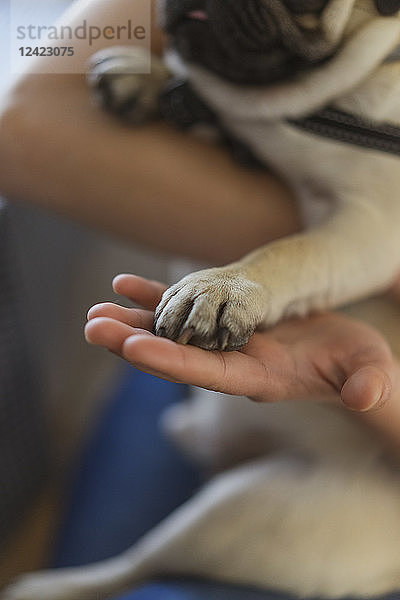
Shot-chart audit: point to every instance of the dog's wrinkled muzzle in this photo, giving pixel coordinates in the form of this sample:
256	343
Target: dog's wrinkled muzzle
247	41
253	41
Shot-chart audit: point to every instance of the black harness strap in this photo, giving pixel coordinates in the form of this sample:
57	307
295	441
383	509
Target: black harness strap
350	129
183	108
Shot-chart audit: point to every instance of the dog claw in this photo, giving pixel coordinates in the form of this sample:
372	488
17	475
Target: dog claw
186	335
223	338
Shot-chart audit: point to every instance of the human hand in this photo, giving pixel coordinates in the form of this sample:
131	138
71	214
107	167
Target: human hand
323	357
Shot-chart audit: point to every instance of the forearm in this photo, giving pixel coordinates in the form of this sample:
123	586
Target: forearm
153	186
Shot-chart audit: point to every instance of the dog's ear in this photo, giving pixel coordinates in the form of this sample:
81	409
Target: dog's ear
388	7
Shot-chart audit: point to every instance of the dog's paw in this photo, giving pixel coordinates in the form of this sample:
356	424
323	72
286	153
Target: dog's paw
122	83
213	309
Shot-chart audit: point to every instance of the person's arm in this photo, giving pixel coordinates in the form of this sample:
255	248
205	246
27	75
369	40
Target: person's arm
152	185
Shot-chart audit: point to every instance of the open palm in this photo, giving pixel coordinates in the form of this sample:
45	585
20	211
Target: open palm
322	357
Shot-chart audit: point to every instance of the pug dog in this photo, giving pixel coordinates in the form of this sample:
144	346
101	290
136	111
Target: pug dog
312	89
264	67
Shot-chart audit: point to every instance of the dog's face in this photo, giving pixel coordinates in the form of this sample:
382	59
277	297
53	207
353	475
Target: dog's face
248	41
253	41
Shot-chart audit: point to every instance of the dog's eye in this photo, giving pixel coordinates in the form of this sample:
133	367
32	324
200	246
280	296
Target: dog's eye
387	7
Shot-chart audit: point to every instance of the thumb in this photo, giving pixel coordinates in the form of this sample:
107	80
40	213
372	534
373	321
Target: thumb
369	386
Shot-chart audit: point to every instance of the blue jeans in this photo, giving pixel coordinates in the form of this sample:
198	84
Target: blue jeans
130	478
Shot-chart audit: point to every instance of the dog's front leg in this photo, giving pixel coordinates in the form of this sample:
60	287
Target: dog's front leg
120	81
353	253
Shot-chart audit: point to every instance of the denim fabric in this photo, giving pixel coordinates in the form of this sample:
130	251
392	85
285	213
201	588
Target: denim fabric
199	590
129	478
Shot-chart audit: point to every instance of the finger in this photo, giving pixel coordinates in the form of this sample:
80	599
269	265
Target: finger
134	317
103	331
369	387
231	373
144	292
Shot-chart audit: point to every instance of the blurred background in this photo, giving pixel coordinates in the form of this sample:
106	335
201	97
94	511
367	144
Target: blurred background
53	271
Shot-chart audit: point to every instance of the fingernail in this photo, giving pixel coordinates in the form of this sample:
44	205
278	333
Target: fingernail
368	389
380	399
